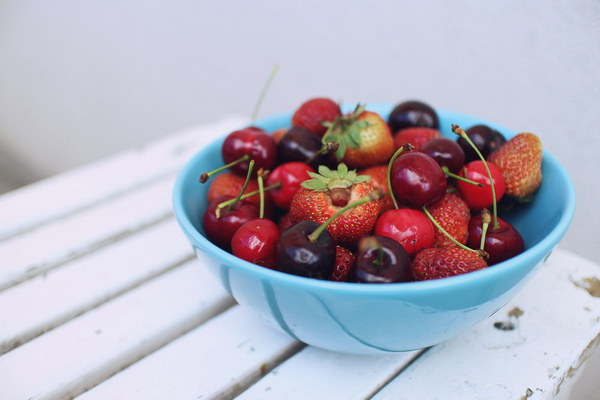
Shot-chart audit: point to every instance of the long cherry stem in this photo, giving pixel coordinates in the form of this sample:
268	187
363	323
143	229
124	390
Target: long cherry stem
205	176
404	147
250	194
261	97
449	236
460	178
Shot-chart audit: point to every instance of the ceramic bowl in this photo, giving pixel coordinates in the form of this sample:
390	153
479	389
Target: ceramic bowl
378	318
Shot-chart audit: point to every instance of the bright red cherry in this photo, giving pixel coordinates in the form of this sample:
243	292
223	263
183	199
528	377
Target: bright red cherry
409	227
417	180
256	241
220	229
290	175
479	197
251	141
501	243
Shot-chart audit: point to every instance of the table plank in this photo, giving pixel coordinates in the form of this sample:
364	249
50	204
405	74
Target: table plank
43	303
215	361
88	349
53	198
31	254
558	328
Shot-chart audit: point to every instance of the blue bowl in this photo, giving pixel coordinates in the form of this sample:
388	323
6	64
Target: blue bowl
368	319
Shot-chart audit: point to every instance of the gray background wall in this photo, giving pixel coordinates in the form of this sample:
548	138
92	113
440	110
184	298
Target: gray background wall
82	79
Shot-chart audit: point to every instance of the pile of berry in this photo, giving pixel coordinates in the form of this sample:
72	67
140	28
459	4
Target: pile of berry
354	197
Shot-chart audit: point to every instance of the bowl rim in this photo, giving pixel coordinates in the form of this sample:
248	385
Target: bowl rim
538	251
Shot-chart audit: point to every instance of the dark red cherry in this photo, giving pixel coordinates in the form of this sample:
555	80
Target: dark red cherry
300	144
290	175
220	229
413	113
380	260
484	138
500	244
417	180
254	142
446	152
256	241
298	255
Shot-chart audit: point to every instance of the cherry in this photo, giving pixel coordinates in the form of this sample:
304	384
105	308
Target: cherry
290	175
446	152
484	138
412	113
417	180
409	227
246	144
256	241
298	255
380	260
300	144
501	242
220	228
478	197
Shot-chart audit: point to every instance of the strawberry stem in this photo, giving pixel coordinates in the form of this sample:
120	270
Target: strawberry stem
452	239
263	93
205	176
404	147
373	196
461	132
460	178
485	218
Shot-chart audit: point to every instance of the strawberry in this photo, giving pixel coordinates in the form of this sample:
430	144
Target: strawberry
326	193
520	161
378	174
343	263
314	112
417	136
364	138
442	262
230	184
453	215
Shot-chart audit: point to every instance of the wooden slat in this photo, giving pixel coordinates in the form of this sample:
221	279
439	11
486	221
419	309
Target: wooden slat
45	302
319	374
215	361
55	197
87	350
559	327
39	250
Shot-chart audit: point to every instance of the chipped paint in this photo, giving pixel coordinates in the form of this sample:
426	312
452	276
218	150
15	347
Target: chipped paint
528	394
573	369
591	285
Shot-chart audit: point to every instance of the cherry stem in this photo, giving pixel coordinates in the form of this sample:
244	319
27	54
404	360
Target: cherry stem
241	193
404	147
485	218
373	196
328	147
461	132
261	175
460	178
263	93
205	176
449	236
250	194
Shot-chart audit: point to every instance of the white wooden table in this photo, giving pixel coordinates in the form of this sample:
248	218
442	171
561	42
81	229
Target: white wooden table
102	298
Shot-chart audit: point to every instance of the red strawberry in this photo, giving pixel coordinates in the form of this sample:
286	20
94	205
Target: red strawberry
312	113
343	263
453	215
436	262
321	197
364	138
230	184
378	180
520	160
417	136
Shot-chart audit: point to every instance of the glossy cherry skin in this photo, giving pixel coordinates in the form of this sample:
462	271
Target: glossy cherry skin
297	255
300	144
480	197
417	180
409	227
256	241
500	244
412	113
290	175
484	138
380	260
446	152
253	141
221	230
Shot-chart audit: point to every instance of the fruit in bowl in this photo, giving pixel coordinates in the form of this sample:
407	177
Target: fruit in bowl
367	318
